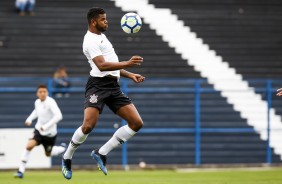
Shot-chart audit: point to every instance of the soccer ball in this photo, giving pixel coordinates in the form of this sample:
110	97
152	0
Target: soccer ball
131	23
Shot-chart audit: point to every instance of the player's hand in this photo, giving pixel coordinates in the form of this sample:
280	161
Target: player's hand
137	78
279	92
27	123
135	60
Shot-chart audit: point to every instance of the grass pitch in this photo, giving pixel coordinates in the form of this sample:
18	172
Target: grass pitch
235	176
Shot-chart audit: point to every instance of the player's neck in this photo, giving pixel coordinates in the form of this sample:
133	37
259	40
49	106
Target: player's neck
42	99
93	30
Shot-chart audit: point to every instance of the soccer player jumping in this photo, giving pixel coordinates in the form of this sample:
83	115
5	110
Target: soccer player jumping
103	88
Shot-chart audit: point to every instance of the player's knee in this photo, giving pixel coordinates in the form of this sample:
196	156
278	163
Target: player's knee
137	125
48	154
29	148
86	129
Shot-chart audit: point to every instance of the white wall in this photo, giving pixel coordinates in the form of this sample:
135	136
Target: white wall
12	145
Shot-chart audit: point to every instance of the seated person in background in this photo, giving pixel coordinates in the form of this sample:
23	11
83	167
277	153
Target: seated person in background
61	80
279	92
23	6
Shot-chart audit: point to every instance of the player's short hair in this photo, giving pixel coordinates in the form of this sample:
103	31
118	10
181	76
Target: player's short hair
41	86
94	12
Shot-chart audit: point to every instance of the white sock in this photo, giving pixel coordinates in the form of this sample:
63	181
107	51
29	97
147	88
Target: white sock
122	135
78	138
56	150
24	159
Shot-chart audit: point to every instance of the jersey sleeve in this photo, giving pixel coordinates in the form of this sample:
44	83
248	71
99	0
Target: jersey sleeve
57	115
31	117
94	50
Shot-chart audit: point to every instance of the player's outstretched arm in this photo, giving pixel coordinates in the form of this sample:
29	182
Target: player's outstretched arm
27	123
30	118
279	92
110	66
137	78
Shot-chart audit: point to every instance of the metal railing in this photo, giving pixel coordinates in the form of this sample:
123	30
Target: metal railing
266	87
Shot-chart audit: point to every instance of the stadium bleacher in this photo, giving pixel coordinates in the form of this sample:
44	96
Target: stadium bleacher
241	32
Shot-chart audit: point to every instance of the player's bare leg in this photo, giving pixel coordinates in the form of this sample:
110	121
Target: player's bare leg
130	114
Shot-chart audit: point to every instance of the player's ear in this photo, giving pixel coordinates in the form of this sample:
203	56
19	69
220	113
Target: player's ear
93	22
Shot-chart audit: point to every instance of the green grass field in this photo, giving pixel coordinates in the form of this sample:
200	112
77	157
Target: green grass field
235	176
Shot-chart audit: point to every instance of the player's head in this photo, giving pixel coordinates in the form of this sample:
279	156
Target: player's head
42	92
97	19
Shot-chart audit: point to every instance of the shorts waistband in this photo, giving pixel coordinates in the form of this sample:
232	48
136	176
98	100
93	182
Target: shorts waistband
107	77
111	76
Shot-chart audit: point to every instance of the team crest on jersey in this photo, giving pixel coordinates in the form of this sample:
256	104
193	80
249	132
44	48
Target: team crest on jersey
93	98
49	148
